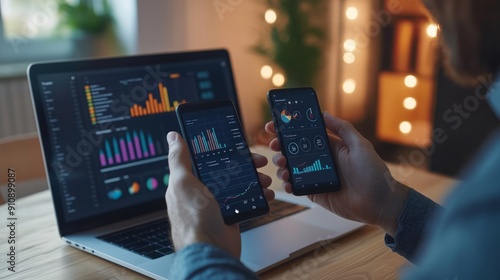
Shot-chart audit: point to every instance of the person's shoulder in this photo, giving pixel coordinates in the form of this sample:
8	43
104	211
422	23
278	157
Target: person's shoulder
481	179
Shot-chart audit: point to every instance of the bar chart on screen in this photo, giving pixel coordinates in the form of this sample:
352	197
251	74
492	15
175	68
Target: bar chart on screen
153	106
171	91
206	141
130	148
125	97
316	166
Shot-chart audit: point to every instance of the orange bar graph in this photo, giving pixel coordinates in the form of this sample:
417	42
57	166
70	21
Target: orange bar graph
167	100
162	97
157	108
154	106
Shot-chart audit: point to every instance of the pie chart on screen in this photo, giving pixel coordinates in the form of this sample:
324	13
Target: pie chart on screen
152	184
311	115
134	188
286	117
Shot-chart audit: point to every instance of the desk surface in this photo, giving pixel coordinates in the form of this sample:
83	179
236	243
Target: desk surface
40	253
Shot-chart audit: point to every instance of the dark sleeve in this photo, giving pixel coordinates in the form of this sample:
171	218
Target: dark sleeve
204	261
412	223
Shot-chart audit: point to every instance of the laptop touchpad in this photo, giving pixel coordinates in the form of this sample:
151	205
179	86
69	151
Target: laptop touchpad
264	246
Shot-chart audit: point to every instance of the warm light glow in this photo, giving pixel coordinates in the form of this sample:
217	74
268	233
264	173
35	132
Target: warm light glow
266	72
405	127
349	45
270	16
351	13
410	103
278	80
411	81
349	58
349	86
432	30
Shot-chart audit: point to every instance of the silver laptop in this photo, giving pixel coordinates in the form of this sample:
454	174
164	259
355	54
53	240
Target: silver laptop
102	126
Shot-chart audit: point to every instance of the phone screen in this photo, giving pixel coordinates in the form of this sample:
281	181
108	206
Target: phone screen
222	159
304	141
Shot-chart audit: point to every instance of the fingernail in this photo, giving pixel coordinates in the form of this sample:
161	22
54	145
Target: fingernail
327	115
171	137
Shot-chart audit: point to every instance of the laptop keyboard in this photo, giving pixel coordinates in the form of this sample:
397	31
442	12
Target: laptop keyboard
152	240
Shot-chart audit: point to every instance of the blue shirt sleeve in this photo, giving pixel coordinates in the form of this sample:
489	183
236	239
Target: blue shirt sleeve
412	224
204	261
465	239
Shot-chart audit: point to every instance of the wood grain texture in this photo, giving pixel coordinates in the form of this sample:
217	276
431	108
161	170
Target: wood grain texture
41	254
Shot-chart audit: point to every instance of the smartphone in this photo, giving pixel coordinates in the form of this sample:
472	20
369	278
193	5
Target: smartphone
222	159
304	140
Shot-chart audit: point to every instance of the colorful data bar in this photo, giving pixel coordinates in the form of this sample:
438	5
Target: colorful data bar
90	103
134	146
153	106
202	144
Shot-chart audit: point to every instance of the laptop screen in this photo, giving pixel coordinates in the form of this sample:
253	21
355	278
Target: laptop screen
103	125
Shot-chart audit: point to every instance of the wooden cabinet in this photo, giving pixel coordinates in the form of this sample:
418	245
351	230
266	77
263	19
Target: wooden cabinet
406	84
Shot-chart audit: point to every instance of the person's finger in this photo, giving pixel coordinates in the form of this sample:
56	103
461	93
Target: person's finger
279	160
269	127
336	143
275	145
179	160
269	194
287	187
343	129
283	174
259	160
265	180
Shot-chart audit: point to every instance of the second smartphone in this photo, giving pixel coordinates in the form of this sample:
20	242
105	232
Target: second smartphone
304	141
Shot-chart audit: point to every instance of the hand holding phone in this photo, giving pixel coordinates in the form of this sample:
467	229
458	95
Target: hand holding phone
222	159
303	139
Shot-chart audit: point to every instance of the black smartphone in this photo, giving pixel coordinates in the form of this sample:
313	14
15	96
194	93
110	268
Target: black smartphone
222	159
304	140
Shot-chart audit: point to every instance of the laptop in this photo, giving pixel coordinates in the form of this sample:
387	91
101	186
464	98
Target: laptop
102	125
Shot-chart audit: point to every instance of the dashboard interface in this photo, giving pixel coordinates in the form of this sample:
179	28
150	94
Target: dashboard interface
106	129
304	139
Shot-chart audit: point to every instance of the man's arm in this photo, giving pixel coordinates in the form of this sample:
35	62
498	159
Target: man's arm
206	247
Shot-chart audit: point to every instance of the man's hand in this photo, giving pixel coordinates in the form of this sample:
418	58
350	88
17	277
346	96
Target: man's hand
194	214
369	193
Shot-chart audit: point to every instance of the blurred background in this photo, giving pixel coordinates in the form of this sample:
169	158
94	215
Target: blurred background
375	63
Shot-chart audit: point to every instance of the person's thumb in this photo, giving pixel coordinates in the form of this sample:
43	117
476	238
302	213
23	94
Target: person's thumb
179	160
344	129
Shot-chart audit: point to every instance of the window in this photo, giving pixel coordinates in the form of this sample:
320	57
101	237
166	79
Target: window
30	32
36	30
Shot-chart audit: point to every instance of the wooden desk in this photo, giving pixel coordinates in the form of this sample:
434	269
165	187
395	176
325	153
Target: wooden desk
42	254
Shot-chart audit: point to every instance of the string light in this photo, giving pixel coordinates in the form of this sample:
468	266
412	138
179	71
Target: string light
410	103
349	57
351	13
270	16
405	127
266	72
349	86
411	81
278	80
432	30
349	45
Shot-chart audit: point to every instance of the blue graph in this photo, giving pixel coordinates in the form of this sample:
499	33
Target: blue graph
316	166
